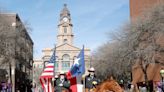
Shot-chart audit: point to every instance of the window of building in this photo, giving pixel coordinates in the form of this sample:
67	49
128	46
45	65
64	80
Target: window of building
20	66
65	40
65	65
56	66
40	66
65	29
34	65
66	62
66	57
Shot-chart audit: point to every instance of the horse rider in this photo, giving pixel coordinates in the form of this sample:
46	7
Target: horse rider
62	83
161	83
90	80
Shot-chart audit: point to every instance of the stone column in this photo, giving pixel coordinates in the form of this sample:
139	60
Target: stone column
13	77
60	65
71	62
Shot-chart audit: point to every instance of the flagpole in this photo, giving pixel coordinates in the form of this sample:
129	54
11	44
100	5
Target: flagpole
55	59
54	64
84	73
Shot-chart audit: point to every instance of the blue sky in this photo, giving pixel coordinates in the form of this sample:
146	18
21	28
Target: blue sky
92	19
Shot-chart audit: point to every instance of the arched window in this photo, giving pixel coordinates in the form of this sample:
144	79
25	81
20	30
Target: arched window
66	57
66	62
65	29
65	41
56	66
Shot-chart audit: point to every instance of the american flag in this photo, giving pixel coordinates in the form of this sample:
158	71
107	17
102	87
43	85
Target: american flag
48	74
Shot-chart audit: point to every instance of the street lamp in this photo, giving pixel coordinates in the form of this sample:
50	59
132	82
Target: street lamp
11	65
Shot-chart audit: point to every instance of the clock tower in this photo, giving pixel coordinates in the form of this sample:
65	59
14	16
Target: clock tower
65	34
65	51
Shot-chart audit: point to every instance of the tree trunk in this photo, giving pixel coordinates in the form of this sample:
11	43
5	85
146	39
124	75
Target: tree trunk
144	69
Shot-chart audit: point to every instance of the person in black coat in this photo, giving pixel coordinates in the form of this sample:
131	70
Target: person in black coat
0	87
62	83
91	81
29	86
22	87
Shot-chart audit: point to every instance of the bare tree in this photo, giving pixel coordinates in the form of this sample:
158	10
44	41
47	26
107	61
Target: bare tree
146	38
139	42
14	42
37	73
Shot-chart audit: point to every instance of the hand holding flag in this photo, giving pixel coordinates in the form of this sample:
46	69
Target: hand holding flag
48	74
76	72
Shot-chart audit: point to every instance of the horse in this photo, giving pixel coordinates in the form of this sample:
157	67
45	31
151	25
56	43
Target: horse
109	85
65	90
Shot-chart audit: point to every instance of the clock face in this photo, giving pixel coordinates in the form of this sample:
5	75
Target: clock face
65	19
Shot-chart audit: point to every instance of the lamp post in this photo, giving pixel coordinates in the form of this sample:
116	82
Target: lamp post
12	65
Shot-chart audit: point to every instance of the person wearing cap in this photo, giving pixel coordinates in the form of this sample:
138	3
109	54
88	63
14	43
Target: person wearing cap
90	80
62	83
161	85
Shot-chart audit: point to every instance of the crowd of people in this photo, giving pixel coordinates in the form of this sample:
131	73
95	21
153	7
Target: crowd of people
22	87
5	87
146	87
91	81
62	83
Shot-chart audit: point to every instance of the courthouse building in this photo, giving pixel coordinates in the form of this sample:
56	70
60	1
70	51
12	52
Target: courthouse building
66	51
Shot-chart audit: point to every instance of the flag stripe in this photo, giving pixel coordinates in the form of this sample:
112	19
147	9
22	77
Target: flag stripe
48	74
48	85
41	81
49	69
49	66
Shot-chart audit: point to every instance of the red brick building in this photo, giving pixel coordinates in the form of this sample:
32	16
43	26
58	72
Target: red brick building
137	7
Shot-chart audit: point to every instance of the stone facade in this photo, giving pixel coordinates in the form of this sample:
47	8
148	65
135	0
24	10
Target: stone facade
65	56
